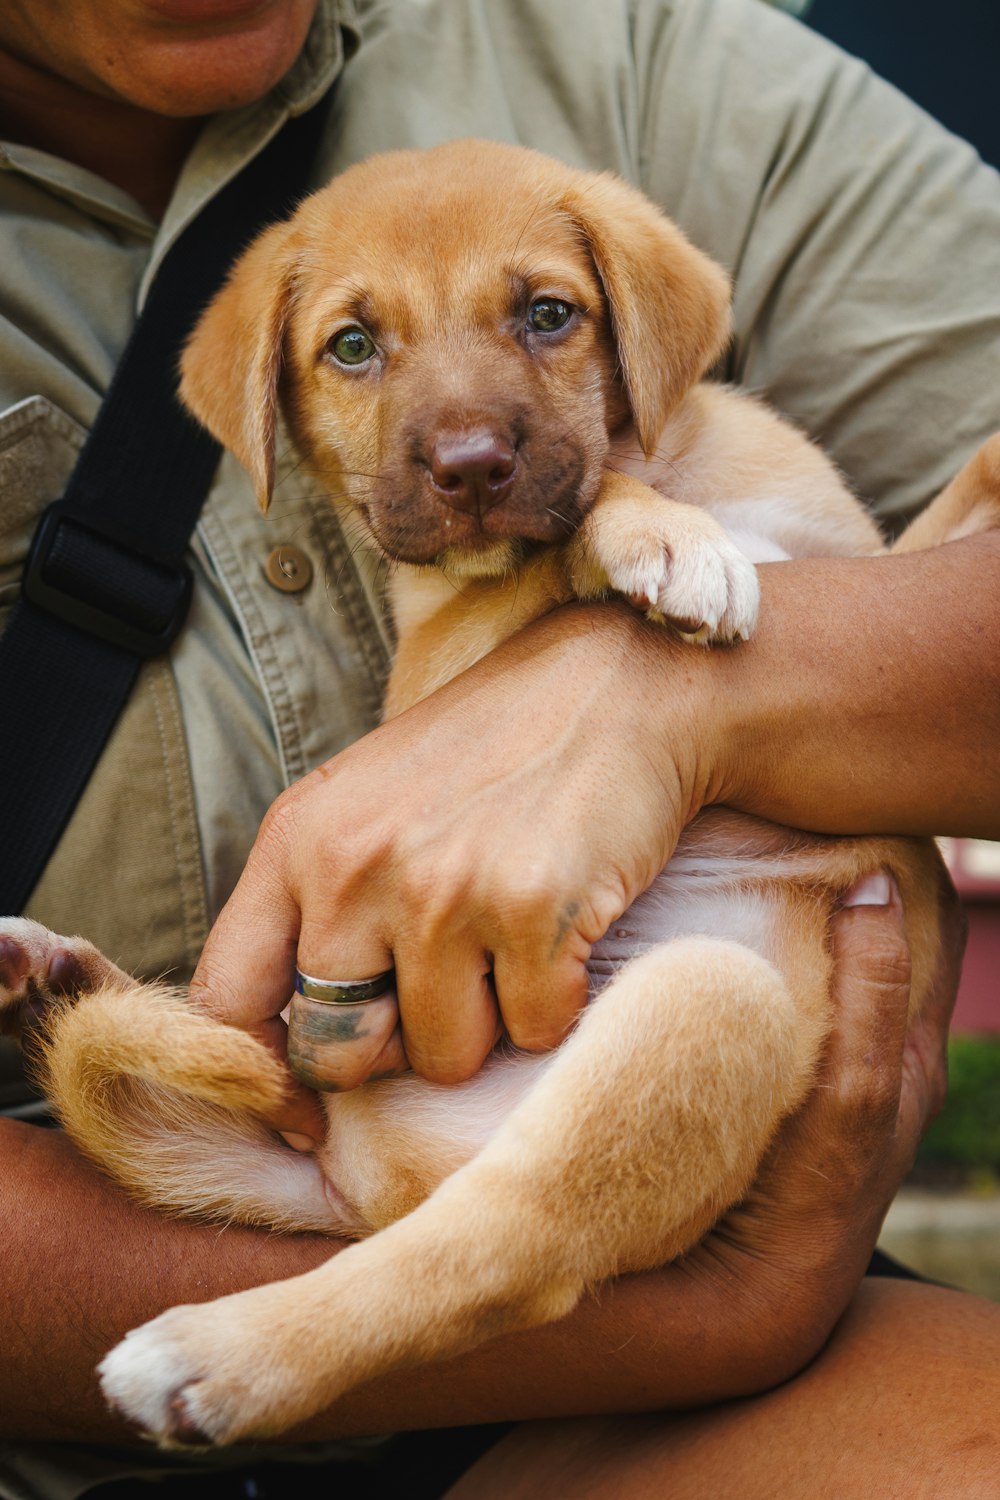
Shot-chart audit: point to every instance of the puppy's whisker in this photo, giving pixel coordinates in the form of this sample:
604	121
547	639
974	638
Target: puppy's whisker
289	473
529	220
657	455
386	567
449	578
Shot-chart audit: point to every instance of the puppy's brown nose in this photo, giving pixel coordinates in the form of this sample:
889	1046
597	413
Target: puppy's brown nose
472	470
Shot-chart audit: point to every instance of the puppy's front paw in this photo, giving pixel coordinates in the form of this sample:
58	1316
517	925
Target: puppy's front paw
208	1375
705	588
165	1380
668	558
702	585
38	966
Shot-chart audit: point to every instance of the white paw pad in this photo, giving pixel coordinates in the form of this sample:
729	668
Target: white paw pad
704	586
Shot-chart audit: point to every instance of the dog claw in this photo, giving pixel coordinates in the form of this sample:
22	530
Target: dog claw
705	589
183	1428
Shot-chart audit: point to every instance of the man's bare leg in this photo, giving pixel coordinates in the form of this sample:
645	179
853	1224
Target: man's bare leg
901	1405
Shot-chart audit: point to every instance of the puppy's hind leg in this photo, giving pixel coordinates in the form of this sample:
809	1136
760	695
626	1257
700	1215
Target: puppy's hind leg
167	1101
38	968
161	1097
646	1125
968	505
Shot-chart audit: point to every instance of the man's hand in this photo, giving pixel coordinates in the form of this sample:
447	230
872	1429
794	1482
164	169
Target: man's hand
479	843
485	838
794	1251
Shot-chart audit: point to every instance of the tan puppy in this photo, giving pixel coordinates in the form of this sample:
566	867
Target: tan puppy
454	337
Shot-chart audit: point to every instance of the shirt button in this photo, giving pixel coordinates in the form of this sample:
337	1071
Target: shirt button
288	569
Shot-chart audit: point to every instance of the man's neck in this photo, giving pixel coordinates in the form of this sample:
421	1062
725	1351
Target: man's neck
137	150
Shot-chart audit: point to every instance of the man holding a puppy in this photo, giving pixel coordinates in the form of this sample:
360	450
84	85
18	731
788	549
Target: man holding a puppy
861	240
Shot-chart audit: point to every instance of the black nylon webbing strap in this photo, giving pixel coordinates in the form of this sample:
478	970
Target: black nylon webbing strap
106	584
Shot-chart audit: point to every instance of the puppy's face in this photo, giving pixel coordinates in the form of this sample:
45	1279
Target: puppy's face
452	335
450	367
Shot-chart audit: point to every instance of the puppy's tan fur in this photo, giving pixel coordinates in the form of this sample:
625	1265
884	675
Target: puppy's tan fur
500	1201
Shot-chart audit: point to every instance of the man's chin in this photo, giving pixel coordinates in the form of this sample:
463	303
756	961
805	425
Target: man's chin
187	59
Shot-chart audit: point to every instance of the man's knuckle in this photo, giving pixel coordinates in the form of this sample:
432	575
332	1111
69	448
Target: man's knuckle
441	1066
881	1105
212	990
885	968
281	825
533	1036
868	1099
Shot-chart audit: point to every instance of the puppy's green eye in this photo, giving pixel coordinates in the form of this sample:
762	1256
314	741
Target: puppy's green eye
352	347
548	315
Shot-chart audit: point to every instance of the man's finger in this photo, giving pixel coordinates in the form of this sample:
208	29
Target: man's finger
245	978
540	1001
925	1059
246	971
299	1117
448	1011
334	1047
846	1126
871	995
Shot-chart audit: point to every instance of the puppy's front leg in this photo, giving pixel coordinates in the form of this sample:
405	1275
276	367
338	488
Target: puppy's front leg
666	557
645	1125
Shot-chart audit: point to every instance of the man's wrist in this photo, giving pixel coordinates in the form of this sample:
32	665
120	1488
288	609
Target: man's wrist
685	699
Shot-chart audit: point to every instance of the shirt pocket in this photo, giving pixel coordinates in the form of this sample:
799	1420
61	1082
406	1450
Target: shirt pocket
39	445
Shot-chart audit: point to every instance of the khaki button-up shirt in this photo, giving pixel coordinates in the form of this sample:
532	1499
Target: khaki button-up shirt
865	247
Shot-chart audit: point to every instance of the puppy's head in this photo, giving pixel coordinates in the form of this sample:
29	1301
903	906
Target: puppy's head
452	335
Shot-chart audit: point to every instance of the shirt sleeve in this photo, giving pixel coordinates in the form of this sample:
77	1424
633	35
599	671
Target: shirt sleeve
863	238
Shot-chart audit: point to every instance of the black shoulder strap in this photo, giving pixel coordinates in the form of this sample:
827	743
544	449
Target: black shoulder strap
106	583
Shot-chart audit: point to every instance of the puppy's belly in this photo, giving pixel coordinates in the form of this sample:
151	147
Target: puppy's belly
686	902
389	1144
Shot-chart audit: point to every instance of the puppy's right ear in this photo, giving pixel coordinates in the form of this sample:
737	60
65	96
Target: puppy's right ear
231	366
669	303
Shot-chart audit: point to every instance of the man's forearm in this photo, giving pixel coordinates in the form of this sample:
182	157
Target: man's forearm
868	701
81	1265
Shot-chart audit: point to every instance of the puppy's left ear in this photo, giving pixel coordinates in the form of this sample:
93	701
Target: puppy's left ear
669	303
232	365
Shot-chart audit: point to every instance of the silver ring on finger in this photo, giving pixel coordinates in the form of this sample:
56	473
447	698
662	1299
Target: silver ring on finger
344	991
